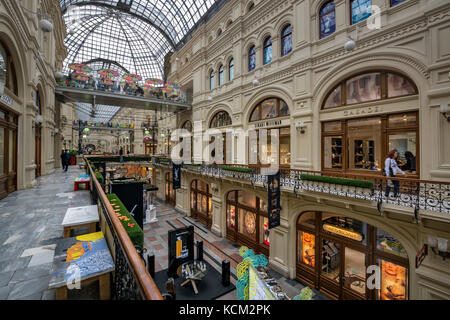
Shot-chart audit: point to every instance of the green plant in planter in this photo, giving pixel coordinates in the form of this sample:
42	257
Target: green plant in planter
73	152
339	181
133	230
237	169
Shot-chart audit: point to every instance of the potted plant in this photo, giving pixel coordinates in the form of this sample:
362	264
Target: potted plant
73	157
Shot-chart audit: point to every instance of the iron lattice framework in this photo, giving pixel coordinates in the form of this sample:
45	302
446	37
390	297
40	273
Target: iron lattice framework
131	36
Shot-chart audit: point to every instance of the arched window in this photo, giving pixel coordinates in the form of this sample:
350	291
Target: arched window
251	59
370	86
327	18
286	40
268	50
211	80
360	10
247	220
221	119
268	109
7	70
201	202
396	2
221	75
231	70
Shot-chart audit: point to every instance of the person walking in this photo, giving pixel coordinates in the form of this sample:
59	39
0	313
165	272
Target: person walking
63	160
391	169
121	155
67	159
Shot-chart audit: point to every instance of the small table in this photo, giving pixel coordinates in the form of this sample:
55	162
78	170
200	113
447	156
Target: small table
85	259
80	217
82	180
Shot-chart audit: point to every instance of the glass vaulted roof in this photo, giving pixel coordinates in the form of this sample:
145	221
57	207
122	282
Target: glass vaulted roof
131	36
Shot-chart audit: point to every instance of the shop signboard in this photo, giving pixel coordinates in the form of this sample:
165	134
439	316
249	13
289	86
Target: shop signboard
176	170
274	206
181	248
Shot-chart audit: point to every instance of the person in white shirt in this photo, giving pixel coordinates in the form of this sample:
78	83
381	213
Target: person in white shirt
391	169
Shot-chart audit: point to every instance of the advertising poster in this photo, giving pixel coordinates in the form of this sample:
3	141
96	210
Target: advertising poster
181	248
274	207
176	170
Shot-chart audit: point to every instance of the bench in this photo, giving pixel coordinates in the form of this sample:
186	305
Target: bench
80	217
82	259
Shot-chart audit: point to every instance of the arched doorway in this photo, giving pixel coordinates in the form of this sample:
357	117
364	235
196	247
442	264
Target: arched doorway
38	139
221	121
333	252
201	202
171	196
8	126
247	221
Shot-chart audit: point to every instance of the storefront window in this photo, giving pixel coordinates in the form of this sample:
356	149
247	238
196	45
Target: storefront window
247	199
366	87
402	120
2	151
405	144
331	265
269	109
201	197
307	249
355	271
399	86
265	231
345	227
387	243
364	142
285	150
308	219
231	216
333	152
394	283
247	224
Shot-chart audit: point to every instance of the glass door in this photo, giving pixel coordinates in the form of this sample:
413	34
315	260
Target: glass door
330	268
354	280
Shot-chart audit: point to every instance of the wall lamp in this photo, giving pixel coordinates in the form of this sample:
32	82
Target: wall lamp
300	126
439	246
44	23
445	110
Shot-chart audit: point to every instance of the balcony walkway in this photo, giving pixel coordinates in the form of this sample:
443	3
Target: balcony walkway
30	225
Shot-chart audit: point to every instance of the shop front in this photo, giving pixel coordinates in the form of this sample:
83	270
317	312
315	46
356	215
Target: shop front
359	141
8	152
271	115
170	194
201	202
247	221
334	252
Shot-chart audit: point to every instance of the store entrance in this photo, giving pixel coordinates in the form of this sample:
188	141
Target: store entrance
334	252
201	202
171	196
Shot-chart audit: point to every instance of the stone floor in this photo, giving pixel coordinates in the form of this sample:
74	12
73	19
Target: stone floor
30	225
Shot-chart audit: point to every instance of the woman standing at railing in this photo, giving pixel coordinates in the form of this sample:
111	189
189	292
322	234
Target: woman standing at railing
391	169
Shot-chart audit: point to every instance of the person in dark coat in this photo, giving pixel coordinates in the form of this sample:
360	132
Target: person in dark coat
410	164
63	160
67	159
121	155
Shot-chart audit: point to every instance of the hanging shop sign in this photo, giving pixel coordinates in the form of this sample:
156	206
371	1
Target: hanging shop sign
176	173
343	232
274	205
421	255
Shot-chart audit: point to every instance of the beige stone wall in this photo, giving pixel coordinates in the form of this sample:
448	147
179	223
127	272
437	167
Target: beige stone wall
413	41
37	56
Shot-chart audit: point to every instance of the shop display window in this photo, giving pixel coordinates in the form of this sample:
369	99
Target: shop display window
307	248
405	144
364	142
362	88
247	199
193	201
231	216
262	205
394	281
387	243
265	239
355	271
2	150
285	150
333	152
402	120
247	224
331	265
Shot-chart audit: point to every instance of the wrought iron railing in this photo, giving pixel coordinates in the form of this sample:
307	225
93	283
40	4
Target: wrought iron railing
131	278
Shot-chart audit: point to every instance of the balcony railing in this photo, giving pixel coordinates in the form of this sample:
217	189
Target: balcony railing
413	193
131	278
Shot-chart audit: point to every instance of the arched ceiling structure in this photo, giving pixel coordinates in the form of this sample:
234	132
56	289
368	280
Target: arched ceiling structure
131	36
